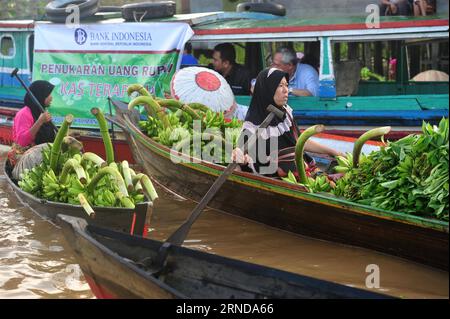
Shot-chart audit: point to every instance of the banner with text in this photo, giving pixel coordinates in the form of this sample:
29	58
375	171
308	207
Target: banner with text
92	62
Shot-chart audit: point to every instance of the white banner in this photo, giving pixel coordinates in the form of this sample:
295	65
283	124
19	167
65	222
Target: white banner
134	36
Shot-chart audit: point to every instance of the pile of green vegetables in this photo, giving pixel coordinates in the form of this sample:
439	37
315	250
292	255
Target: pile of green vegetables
69	176
409	175
171	123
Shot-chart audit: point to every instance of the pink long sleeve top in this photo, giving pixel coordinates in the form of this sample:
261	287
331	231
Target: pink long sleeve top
23	121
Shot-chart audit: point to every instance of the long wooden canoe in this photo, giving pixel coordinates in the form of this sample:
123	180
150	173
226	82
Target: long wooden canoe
131	221
289	207
117	265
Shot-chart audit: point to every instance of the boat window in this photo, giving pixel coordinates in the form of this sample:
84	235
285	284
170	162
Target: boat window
7	48
427	60
391	67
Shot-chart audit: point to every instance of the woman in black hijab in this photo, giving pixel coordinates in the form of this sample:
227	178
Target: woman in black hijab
42	90
31	126
271	87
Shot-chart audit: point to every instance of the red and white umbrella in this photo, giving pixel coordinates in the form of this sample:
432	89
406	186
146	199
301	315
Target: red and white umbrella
202	85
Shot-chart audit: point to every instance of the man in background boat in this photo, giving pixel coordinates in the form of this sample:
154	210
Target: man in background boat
188	58
237	76
303	78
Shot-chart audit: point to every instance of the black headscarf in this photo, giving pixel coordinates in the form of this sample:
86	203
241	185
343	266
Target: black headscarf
41	90
266	85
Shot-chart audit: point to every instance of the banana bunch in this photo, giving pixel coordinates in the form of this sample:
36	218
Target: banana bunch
234	123
174	120
164	136
314	185
31	180
290	178
151	126
74	188
214	119
52	190
104	197
345	163
320	184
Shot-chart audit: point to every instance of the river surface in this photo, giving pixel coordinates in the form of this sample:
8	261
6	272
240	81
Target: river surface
35	261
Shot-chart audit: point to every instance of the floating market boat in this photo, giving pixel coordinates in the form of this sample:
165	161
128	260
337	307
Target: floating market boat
132	221
117	265
290	207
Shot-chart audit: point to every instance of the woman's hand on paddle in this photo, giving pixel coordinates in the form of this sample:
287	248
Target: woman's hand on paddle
238	156
45	118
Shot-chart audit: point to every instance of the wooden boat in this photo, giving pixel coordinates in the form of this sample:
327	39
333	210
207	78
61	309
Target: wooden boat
346	104
126	220
103	254
289	207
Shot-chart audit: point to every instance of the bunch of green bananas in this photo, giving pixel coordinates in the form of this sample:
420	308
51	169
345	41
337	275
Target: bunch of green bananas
214	119
234	123
103	197
345	163
52	190
314	185
320	184
74	188
164	136
31	180
174	120
151	126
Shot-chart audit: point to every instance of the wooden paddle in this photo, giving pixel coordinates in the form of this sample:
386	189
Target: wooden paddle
178	237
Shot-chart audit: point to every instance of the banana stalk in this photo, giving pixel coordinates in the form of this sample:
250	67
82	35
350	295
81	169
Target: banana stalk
56	147
147	184
152	107
174	105
138	185
72	164
124	200
379	131
300	147
85	204
127	176
199	106
137	88
94	158
105	134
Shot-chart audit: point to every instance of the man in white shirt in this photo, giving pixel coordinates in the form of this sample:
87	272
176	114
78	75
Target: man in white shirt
303	78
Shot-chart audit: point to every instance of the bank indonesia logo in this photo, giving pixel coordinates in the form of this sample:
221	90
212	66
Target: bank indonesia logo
80	36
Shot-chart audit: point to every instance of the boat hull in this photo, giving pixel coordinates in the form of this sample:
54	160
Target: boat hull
288	207
103	254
